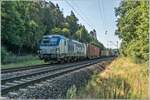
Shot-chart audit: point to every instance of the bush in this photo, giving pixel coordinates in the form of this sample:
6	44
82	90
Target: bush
8	57
4	54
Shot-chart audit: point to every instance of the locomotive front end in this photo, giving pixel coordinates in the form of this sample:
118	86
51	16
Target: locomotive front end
49	48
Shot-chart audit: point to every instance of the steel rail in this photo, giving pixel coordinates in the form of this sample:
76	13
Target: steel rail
45	75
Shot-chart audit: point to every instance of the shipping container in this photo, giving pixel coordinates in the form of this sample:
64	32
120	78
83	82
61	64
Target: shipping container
105	53
92	51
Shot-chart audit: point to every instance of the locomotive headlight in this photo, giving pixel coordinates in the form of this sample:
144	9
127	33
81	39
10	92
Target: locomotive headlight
57	50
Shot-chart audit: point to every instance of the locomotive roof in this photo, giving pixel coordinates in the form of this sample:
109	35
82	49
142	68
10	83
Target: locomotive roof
54	36
76	41
61	36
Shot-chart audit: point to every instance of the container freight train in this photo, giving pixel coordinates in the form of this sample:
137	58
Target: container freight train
62	49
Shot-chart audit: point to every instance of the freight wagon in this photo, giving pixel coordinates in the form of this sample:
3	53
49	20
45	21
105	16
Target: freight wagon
92	51
105	53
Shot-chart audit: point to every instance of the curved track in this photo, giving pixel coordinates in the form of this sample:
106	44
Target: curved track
16	82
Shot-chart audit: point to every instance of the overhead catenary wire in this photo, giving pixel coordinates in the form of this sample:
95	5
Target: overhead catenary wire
103	13
79	14
77	7
100	7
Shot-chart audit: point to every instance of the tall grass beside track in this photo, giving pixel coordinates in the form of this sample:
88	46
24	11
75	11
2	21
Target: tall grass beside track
122	79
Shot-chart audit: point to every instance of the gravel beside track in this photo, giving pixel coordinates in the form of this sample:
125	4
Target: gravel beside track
35	70
55	87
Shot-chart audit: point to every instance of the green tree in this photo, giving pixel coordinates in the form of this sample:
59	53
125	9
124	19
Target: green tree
12	26
66	32
21	25
133	26
56	30
72	21
82	34
25	22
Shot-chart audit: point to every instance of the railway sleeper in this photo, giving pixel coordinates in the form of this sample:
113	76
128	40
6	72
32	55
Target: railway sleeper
29	78
25	80
44	82
18	82
4	86
12	94
31	87
48	80
22	90
10	84
38	84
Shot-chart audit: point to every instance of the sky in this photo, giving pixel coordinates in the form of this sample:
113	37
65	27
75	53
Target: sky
94	14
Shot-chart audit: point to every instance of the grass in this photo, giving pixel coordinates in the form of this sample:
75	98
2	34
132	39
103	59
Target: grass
71	93
122	79
22	61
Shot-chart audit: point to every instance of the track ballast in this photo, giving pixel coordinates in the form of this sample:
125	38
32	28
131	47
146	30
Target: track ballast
17	82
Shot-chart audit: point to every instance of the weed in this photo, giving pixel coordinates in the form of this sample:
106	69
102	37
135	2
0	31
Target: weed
71	93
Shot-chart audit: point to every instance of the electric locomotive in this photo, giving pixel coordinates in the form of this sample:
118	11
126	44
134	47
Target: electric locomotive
60	48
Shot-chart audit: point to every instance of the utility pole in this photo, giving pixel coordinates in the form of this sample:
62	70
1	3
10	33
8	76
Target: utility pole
107	40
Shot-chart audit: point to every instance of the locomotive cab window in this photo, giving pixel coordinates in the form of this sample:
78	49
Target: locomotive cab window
53	41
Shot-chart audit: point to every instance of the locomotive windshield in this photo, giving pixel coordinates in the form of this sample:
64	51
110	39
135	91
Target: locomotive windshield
53	41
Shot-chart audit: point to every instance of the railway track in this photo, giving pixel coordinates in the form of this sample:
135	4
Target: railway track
17	82
10	70
23	68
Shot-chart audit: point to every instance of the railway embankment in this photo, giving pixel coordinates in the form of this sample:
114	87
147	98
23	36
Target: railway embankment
122	79
58	87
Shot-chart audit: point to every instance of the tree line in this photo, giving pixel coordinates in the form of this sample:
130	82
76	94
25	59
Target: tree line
23	24
133	24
